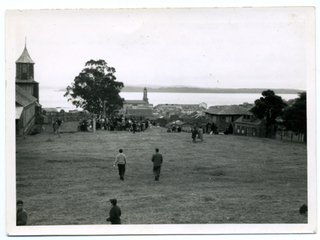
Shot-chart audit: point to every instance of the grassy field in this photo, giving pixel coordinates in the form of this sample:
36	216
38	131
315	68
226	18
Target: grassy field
69	178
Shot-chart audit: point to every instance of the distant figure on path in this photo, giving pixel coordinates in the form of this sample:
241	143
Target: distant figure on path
208	126
157	160
200	133
213	128
115	213
22	215
194	134
134	127
55	127
121	161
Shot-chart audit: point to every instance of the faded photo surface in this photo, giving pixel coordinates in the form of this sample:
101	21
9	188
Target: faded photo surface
161	121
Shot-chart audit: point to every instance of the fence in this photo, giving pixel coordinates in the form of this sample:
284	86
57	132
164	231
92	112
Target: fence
290	136
51	117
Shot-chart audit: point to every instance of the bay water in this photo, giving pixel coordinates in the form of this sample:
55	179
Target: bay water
53	98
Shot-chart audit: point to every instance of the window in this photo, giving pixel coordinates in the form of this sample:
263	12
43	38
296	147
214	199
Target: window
254	132
24	68
24	71
238	129
214	119
242	130
248	131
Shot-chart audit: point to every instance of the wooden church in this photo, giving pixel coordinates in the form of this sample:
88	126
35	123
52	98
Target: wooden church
28	108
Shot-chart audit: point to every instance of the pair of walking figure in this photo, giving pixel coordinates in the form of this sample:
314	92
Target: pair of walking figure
121	161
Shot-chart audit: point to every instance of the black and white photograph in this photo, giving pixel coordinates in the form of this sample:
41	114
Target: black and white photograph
160	121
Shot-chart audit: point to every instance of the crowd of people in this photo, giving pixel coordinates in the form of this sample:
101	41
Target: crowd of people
115	123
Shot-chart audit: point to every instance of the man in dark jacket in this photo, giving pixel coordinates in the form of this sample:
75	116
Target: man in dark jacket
134	127
194	133
115	213
22	215
157	162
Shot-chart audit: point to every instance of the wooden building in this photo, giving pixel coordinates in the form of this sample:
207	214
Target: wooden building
139	114
28	109
25	74
249	125
224	116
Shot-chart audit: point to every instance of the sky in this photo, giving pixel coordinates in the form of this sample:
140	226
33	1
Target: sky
211	48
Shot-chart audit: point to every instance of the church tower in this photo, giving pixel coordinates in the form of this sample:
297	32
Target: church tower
25	74
145	98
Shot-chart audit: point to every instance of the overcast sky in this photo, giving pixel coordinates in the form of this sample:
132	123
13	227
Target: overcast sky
226	48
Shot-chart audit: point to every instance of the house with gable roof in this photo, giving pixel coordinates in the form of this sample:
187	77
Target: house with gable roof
224	116
249	125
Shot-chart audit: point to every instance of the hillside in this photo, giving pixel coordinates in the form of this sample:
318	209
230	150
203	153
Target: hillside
224	179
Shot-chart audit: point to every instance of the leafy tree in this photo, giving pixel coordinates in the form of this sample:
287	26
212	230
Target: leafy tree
95	86
268	107
295	116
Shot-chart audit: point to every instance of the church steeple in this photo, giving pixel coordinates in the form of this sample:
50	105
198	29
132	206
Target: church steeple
25	74
145	98
24	66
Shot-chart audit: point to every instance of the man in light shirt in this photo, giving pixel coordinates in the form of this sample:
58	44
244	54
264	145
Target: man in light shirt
121	161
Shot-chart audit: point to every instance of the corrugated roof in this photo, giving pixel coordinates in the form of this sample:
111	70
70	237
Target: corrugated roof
140	112
24	98
25	57
227	110
256	122
50	109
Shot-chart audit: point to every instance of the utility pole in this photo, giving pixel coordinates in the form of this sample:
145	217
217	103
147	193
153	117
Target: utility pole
104	108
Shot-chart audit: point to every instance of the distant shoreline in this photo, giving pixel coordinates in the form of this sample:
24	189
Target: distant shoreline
205	90
208	90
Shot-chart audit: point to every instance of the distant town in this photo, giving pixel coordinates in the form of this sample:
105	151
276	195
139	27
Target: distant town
233	119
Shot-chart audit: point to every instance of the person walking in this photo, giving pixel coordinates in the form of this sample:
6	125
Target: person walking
157	160
115	213
213	128
134	127
22	215
194	133
121	161
55	127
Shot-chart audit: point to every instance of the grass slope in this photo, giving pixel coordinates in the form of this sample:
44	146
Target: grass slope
69	178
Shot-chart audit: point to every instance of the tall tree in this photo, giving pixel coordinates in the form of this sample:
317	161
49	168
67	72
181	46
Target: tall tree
268	107
96	87
295	116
